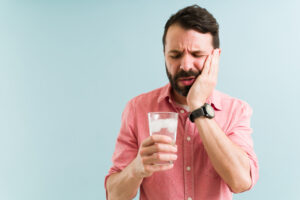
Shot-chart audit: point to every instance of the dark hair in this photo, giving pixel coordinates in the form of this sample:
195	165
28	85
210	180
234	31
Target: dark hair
196	18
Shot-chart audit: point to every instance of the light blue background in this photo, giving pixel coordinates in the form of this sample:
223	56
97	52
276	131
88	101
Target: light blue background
67	69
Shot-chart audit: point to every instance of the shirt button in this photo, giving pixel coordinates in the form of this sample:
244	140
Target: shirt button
182	111
188	168
190	198
188	138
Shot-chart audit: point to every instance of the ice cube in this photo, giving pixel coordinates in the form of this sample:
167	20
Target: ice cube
172	125
155	126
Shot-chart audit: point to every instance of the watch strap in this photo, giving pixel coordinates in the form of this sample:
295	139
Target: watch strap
197	113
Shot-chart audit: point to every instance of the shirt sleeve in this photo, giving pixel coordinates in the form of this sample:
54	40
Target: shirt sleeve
126	147
240	133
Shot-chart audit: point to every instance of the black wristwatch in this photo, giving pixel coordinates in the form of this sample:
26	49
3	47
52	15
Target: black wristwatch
206	111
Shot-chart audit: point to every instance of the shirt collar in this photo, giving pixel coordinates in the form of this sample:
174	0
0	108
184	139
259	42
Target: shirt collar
165	93
214	99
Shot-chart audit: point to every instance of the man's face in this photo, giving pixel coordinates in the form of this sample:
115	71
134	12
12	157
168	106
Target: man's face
185	55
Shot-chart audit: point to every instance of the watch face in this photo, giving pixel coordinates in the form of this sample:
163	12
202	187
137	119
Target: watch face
210	111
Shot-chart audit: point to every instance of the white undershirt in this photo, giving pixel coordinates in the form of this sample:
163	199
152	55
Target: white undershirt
185	107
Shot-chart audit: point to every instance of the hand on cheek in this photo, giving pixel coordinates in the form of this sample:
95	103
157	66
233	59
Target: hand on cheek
206	82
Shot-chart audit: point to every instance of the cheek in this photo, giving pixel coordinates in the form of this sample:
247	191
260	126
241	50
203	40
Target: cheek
172	66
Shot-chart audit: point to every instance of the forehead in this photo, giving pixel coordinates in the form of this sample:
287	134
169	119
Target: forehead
179	38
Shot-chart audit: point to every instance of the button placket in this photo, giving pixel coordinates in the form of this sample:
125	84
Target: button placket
188	161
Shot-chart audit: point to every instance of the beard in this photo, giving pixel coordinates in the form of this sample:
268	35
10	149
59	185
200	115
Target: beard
184	90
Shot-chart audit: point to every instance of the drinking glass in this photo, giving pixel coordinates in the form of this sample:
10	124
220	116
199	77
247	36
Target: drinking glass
163	123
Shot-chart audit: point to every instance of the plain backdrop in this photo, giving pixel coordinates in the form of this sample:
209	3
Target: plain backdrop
67	69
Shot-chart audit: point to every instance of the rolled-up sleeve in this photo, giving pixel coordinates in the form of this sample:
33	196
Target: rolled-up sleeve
240	133
126	147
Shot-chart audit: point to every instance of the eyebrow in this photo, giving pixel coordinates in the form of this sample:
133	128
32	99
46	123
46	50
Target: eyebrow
177	51
174	51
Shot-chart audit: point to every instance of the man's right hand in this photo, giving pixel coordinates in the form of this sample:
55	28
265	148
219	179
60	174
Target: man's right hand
153	150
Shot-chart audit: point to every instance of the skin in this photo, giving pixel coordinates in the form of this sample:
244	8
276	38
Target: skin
187	50
190	50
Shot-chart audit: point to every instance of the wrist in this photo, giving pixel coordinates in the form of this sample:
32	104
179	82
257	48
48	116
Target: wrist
134	170
195	106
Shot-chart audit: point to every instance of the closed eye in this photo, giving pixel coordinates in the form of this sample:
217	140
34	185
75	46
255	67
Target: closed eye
199	55
175	56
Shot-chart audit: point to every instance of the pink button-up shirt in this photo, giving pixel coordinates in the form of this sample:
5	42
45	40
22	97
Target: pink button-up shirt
193	177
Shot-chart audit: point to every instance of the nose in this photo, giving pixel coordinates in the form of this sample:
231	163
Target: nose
186	63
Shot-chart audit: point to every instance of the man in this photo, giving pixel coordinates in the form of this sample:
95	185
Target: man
213	155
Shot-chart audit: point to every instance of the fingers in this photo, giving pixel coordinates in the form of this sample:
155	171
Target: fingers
158	147
206	67
215	63
155	154
211	65
157	139
156	168
157	158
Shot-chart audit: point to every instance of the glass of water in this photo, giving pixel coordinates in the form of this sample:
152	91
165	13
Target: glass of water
163	123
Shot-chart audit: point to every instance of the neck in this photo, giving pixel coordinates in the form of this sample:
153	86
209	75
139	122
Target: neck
178	98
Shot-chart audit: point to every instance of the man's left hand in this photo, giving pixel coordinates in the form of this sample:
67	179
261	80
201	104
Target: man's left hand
205	82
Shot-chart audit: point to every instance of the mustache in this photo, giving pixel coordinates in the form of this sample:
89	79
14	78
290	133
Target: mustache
182	74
